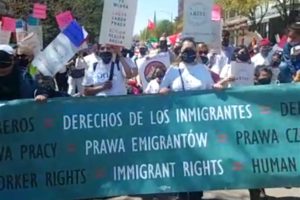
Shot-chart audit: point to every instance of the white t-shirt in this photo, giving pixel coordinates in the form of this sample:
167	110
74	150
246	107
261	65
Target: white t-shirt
258	59
220	62
80	64
101	75
153	87
194	77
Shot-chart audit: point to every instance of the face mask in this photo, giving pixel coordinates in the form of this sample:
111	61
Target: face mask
106	57
188	56
143	51
163	45
264	81
204	59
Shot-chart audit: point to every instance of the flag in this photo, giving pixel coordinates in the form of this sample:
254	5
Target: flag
151	25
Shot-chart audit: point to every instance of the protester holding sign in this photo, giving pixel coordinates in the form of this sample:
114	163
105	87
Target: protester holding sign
240	72
154	85
107	76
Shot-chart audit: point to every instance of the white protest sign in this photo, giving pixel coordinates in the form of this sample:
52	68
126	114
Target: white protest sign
5	37
146	67
198	20
39	32
55	56
216	40
118	22
243	74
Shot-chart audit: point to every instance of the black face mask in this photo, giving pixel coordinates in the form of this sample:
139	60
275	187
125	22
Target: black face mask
188	56
177	51
143	51
106	57
264	81
204	59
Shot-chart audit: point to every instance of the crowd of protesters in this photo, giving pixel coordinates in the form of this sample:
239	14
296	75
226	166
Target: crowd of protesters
118	72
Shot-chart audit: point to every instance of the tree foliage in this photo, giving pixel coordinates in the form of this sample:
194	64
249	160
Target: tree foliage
87	12
164	26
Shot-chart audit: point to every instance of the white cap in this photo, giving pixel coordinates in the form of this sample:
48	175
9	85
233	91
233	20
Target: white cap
6	48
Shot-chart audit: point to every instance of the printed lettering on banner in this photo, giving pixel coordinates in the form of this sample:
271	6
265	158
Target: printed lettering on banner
118	22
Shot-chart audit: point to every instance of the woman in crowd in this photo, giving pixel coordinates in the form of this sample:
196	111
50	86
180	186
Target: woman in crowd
188	74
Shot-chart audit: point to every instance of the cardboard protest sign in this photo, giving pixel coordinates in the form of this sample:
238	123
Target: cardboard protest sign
198	20
5	37
55	56
118	22
215	43
38	30
31	40
243	74
147	67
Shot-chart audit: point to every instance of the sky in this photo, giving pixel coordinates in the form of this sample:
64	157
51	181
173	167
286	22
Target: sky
165	9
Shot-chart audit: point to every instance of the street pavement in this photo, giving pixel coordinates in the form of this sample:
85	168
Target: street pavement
273	194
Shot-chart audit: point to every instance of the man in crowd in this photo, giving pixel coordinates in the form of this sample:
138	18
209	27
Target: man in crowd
107	77
220	61
291	55
264	56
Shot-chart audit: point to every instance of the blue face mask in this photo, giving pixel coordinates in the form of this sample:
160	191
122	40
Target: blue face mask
189	56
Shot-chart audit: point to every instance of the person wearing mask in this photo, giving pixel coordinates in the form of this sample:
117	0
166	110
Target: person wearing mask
288	66
163	48
154	85
203	51
221	60
188	75
264	55
15	81
264	76
24	56
177	48
76	74
241	56
107	77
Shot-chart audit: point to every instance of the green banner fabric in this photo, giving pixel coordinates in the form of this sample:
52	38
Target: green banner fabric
98	147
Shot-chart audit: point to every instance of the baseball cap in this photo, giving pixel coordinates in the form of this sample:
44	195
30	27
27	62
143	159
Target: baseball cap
6	56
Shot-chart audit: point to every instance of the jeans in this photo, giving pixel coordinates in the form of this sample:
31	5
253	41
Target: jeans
286	74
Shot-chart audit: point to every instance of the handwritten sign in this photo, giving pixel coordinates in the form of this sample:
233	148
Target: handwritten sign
197	20
230	139
5	37
118	22
38	30
64	19
243	74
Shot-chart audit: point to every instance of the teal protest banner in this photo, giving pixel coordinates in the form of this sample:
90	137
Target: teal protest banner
97	147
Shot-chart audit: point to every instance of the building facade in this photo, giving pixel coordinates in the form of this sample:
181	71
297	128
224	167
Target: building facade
272	23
